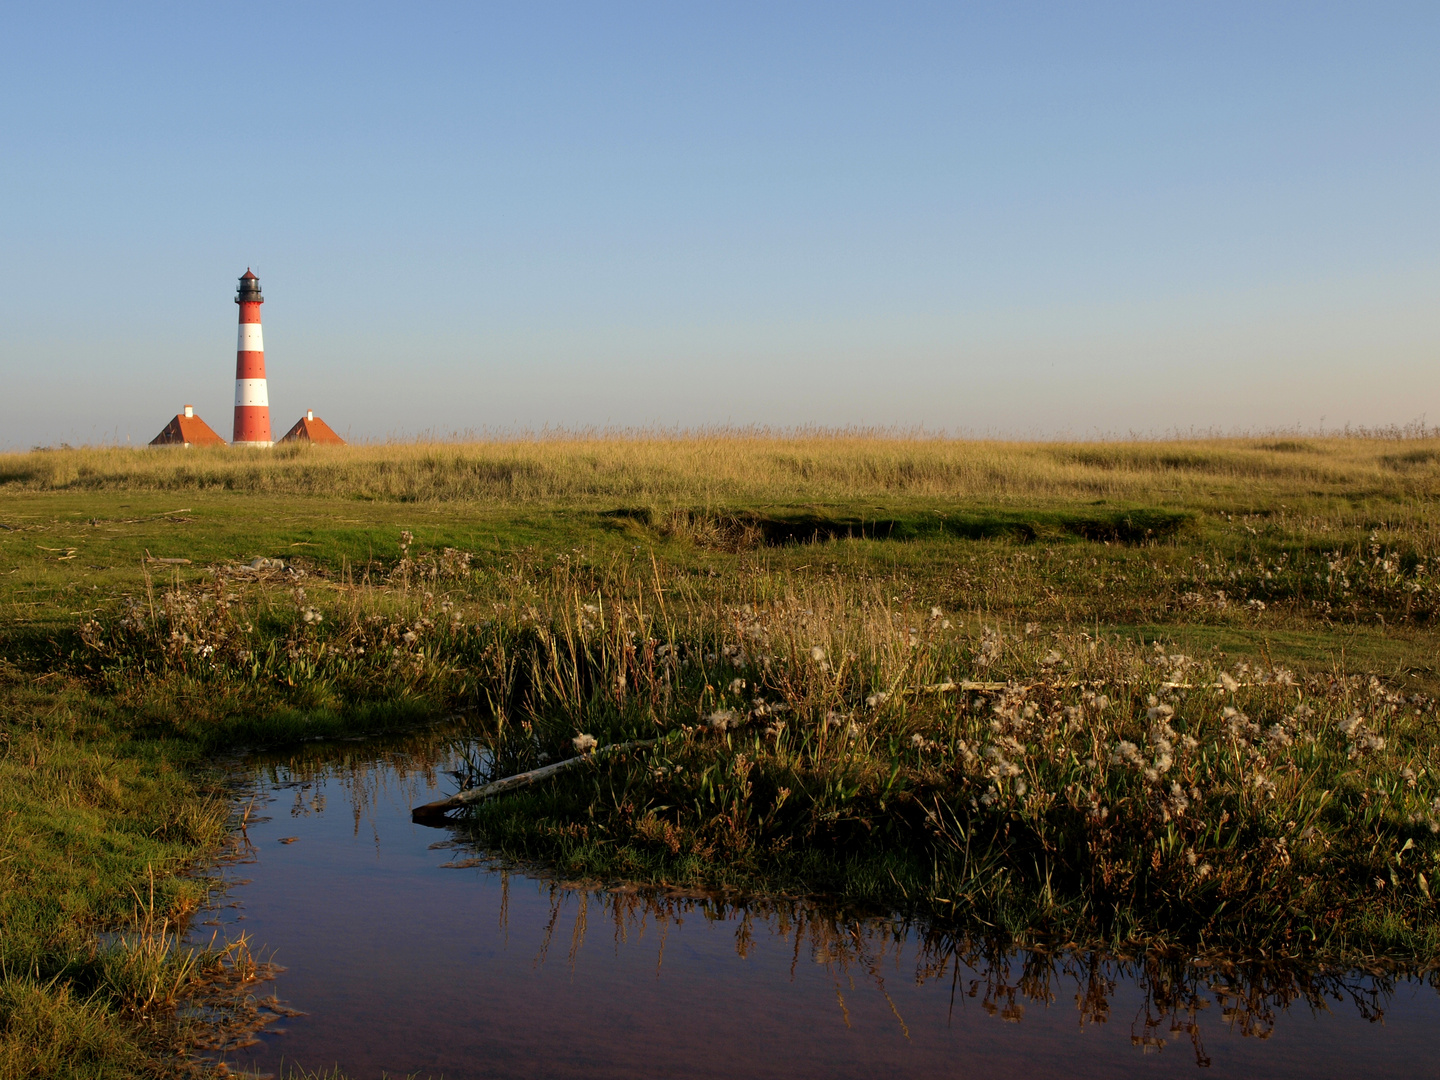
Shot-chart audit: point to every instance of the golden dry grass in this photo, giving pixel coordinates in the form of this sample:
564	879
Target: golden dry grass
730	466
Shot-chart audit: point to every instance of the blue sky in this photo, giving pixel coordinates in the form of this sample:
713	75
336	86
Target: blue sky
1016	219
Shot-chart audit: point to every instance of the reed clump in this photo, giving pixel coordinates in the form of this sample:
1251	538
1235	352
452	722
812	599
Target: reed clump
1055	784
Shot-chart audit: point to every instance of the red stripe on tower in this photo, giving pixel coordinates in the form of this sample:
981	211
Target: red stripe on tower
252	400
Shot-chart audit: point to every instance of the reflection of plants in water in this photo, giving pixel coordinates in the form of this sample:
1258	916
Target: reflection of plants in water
402	767
1247	999
1250	997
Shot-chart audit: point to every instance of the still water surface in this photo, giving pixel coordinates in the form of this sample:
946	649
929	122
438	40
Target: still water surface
411	954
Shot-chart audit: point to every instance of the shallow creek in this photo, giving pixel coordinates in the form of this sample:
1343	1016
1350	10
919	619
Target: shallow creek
411	953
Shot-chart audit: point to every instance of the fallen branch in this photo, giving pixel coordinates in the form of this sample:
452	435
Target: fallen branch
431	811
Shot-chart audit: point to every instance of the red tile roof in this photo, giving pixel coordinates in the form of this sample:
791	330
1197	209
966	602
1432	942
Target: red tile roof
187	431
312	429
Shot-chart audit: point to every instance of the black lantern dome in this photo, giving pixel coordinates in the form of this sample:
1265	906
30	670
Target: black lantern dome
249	290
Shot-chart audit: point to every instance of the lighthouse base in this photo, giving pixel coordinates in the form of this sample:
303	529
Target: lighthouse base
254	445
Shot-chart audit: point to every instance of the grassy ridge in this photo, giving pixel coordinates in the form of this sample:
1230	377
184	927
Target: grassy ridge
745	468
742	554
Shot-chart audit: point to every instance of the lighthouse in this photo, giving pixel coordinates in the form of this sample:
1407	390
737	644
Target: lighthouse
252	402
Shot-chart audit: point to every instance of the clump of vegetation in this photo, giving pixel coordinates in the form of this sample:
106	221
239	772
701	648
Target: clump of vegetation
1049	783
1058	784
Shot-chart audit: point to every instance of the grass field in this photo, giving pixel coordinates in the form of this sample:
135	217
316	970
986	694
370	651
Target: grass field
1173	693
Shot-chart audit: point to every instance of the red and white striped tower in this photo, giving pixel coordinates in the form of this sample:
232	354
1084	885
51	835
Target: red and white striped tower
252	401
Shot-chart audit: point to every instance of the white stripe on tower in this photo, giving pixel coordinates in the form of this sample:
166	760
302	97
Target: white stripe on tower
252	393
250	338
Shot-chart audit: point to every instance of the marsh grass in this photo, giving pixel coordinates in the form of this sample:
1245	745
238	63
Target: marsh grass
729	465
626	588
1051	784
1080	788
96	831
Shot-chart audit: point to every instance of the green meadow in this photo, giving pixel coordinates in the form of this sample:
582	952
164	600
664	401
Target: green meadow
1150	695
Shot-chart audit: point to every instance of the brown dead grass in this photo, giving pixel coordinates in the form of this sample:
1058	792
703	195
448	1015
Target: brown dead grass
728	466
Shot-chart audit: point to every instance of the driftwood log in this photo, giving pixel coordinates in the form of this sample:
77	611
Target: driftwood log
432	812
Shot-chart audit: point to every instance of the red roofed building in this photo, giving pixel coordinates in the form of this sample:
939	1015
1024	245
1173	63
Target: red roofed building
312	429
187	430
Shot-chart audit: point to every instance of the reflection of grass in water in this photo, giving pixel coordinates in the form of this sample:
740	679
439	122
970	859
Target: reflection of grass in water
1248	998
403	766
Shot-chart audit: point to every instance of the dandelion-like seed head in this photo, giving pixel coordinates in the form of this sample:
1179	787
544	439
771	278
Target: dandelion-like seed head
583	743
1127	753
723	719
